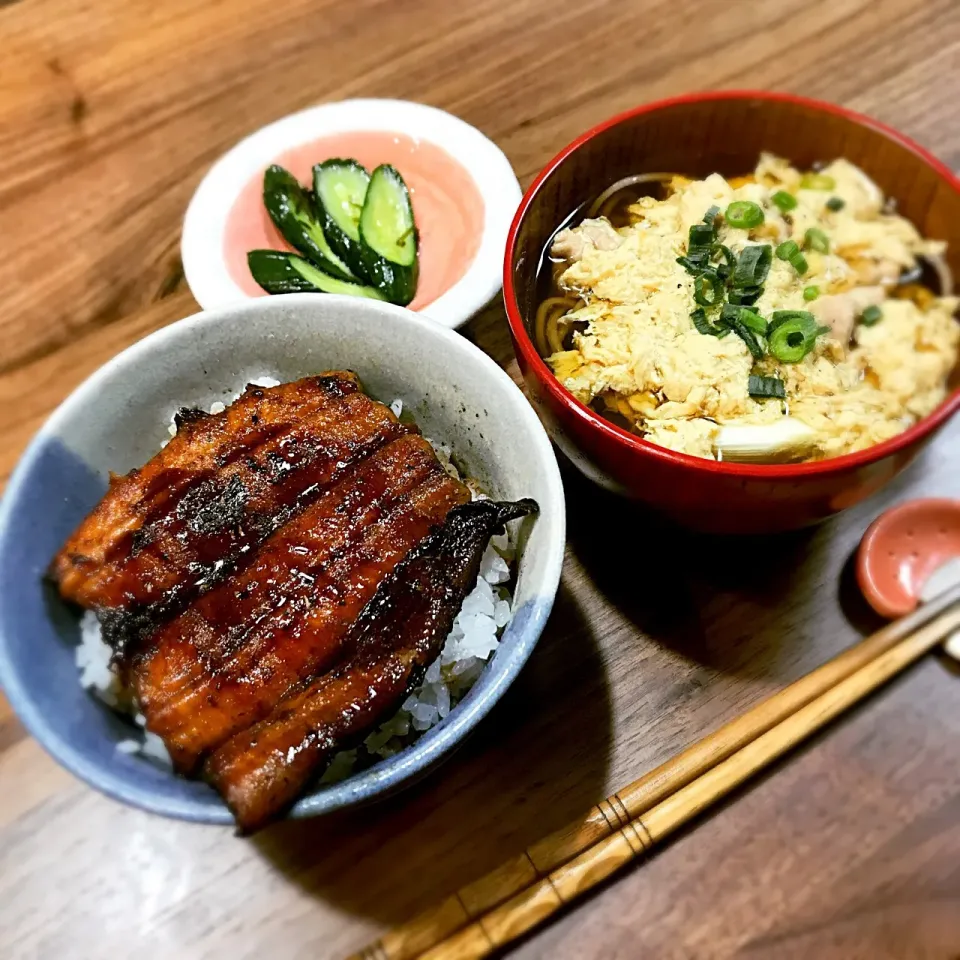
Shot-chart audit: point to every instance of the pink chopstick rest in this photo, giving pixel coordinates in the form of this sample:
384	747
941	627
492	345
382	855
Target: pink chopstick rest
902	548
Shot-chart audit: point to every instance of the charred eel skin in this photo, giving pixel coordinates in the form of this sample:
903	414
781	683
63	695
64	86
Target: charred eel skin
263	770
166	532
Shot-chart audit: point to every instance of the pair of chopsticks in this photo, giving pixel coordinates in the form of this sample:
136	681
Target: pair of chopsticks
517	896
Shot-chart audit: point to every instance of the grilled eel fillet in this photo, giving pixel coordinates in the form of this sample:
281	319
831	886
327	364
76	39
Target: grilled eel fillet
228	659
223	484
262	770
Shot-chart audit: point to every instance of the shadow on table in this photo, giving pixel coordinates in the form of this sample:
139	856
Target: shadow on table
538	760
720	602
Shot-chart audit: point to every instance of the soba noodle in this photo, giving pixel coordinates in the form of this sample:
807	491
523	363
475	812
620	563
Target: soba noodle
943	273
599	207
546	327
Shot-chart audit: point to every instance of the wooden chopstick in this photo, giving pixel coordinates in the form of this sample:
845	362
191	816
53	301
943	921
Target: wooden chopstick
533	905
525	888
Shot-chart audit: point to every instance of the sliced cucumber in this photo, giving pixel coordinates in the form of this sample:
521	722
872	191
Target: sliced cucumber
388	236
340	187
279	272
292	209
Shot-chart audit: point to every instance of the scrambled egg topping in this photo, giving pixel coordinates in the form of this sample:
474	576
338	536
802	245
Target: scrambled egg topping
638	352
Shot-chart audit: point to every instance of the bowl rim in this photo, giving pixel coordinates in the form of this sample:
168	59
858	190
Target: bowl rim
392	773
608	430
207	215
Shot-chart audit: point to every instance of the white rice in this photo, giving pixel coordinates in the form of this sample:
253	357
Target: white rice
471	643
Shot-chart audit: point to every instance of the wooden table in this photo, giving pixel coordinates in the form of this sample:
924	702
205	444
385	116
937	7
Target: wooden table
110	111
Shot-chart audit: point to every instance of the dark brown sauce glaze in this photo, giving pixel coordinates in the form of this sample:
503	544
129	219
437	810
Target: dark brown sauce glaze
195	512
262	770
229	658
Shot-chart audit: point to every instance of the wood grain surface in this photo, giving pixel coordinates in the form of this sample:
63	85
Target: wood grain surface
110	111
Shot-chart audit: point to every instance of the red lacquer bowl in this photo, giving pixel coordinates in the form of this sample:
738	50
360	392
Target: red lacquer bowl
697	135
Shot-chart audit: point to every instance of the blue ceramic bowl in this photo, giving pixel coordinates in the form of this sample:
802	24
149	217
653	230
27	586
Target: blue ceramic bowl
117	420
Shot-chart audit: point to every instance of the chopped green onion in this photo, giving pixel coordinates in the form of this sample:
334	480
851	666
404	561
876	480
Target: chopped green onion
700	321
811	292
756	325
836	203
788	250
726	268
704	326
780	317
753	265
753	321
708	289
816	239
765	388
799	263
871	315
817	181
793	334
746	324
745	296
701	235
784	201
693	265
747	336
744	214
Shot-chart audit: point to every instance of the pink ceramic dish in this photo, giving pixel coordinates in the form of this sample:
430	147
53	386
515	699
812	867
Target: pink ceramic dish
463	190
902	548
697	135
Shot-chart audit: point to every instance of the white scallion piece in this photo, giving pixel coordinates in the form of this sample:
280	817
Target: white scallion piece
782	442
